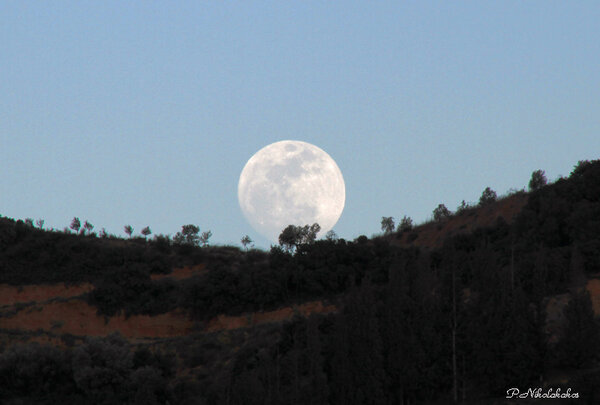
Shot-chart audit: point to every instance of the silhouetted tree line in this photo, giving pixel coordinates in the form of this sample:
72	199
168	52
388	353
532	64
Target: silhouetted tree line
99	371
460	322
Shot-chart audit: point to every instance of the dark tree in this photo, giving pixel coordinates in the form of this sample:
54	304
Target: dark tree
538	180
317	390
128	230
146	231
387	224
579	346
331	235
406	224
487	197
205	237
88	227
441	213
289	237
75	224
462	207
246	241
188	235
293	236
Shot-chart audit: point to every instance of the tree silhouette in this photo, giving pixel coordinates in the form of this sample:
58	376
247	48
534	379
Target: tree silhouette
538	180
406	224
146	231
462	207
331	235
88	227
128	230
246	241
441	213
487	197
188	235
387	224
293	236
75	224
289	237
205	237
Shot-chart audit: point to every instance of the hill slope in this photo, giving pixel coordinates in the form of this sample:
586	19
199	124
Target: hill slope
466	307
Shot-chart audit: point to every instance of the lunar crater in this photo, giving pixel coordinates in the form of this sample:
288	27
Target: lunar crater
291	182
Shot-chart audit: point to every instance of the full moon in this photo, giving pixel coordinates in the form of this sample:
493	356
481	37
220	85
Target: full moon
291	183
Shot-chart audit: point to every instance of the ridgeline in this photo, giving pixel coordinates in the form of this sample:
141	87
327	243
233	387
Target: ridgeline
505	294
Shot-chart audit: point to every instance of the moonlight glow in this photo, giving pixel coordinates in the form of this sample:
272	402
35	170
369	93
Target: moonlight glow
291	182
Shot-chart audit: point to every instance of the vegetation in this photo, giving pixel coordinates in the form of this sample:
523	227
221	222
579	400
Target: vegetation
146	231
538	180
294	235
487	197
406	224
441	213
188	235
204	237
246	241
413	325
387	224
75	224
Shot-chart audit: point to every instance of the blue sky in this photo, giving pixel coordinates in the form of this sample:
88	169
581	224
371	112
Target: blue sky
144	113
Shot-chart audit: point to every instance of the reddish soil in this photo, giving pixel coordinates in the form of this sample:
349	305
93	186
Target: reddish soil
44	320
78	318
593	287
10	295
224	322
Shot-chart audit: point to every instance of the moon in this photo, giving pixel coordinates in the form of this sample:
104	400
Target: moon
291	183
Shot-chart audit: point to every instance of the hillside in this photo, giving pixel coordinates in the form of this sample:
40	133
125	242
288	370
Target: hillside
463	308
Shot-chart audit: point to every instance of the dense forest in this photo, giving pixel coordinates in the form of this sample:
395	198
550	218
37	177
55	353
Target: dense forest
457	323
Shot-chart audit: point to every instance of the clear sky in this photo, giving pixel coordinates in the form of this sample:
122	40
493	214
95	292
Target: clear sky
144	113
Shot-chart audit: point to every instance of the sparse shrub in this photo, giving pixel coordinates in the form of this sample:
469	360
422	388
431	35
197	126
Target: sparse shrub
29	222
331	236
487	197
362	239
128	230
406	224
387	224
538	180
441	213
146	231
75	224
162	243
205	237
188	235
462	207
88	227
246	241
40	223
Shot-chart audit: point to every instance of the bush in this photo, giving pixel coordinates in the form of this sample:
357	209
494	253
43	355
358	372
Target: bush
406	224
441	213
538	180
487	197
